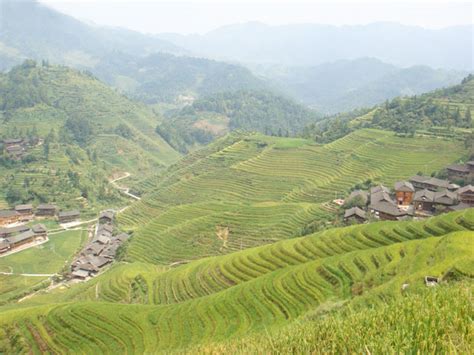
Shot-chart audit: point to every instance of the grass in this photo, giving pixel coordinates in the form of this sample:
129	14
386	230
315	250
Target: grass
140	308
47	258
266	189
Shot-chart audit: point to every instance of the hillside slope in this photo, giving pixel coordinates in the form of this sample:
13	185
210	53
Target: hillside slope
253	111
250	292
87	129
244	191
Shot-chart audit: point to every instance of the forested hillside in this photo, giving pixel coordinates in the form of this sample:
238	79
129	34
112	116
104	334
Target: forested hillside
444	112
213	116
83	132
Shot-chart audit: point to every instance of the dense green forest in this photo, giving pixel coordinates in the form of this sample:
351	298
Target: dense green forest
212	116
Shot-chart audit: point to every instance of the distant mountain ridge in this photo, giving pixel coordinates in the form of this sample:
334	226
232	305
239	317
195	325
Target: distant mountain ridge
313	44
348	84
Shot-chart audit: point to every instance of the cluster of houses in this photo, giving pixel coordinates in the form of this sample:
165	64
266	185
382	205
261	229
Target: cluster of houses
421	196
14	237
25	213
15	148
101	250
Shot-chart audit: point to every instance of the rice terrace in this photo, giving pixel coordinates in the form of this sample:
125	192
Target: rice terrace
236	178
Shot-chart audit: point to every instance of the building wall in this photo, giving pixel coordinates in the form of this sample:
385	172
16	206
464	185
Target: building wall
467	198
404	198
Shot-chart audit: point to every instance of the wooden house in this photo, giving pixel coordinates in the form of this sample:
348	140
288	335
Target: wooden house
106	217
8	232
466	195
8	217
429	183
404	193
68	216
424	200
388	211
355	213
40	230
24	209
445	198
21	239
46	210
12	142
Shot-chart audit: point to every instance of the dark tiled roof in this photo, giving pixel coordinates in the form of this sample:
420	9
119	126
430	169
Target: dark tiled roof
20	237
387	208
74	213
107	214
354	211
379	188
8	213
424	196
39	228
419	178
404	186
380	196
23	207
467	188
459	168
12	230
47	207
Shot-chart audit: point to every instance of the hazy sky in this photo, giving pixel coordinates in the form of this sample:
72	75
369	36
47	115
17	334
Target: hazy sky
199	16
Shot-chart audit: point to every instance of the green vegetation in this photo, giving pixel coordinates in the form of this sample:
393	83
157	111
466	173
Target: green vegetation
48	258
79	133
52	257
266	289
264	189
433	321
215	115
442	113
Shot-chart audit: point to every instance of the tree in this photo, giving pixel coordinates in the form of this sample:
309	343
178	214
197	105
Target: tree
468	118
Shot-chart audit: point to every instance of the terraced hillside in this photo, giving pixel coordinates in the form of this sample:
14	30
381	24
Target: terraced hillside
251	292
246	191
87	128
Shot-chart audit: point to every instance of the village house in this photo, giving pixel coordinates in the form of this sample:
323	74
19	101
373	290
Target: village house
46	210
355	213
445	198
40	230
11	142
466	195
461	171
20	239
431	183
68	216
8	232
388	211
424	200
16	152
25	212
106	217
404	193
8	217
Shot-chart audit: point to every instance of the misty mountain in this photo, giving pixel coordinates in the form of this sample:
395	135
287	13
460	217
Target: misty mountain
140	65
347	84
312	44
29	29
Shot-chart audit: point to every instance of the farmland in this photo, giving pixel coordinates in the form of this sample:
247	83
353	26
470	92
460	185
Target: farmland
263	289
264	189
48	258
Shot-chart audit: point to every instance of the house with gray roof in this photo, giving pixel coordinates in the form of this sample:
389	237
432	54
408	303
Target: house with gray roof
355	213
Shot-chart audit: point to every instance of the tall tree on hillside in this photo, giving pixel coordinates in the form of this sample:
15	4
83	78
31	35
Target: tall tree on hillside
468	118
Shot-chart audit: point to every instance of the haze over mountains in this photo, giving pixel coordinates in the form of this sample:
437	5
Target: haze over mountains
312	44
328	68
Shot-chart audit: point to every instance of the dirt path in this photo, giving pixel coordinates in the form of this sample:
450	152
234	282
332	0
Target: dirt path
124	190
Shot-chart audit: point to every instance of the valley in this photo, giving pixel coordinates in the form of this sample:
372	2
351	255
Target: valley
257	188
